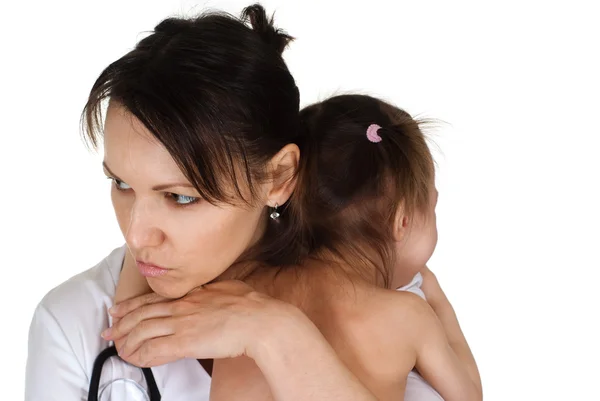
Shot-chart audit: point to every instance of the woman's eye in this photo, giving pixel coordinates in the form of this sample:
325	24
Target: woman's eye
120	185
183	199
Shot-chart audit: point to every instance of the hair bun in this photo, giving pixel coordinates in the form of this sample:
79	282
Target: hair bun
263	26
172	26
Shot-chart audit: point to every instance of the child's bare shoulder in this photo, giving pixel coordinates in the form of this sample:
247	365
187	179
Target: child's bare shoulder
383	327
399	312
397	305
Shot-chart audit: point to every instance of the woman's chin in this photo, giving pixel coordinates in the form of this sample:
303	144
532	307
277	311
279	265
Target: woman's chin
167	289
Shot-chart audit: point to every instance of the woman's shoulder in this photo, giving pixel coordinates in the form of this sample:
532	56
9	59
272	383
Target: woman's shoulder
64	340
88	290
64	335
77	308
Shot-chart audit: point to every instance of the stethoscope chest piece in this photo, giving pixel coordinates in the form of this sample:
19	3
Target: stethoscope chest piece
123	389
120	389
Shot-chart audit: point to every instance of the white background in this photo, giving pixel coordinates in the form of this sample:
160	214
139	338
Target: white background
515	81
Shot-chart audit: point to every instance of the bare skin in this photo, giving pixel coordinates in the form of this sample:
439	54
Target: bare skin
132	285
380	348
445	312
380	335
340	339
168	228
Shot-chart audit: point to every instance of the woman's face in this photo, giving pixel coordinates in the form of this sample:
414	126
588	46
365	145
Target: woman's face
178	240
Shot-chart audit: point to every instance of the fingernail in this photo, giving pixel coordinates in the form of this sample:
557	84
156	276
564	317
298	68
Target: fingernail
112	310
106	334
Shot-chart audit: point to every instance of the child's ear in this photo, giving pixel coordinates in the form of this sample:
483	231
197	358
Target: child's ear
400	223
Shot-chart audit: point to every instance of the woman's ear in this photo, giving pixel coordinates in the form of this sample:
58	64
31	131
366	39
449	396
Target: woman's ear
283	168
401	223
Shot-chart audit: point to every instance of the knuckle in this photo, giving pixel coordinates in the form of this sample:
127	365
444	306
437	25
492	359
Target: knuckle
132	305
178	307
117	329
139	313
143	356
119	343
122	351
148	298
142	326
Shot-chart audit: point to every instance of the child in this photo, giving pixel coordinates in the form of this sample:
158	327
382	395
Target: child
366	190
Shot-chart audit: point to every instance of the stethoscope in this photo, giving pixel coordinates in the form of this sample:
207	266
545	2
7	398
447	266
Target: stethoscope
102	357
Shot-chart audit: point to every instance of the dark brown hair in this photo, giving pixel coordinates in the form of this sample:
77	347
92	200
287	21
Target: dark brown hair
220	98
349	188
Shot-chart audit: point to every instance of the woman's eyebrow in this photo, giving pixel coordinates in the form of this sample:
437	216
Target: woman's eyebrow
105	167
161	187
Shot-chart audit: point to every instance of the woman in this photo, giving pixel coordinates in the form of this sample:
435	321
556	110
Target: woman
201	144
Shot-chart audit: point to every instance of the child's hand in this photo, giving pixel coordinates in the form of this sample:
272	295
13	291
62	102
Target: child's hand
445	312
431	288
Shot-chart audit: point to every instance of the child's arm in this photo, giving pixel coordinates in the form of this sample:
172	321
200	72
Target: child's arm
430	353
425	343
436	360
445	312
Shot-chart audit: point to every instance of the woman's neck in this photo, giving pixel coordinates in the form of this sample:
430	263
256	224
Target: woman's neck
131	283
240	270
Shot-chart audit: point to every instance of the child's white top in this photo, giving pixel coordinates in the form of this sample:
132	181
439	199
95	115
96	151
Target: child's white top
417	389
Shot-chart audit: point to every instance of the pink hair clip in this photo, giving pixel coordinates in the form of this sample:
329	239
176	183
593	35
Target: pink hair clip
372	134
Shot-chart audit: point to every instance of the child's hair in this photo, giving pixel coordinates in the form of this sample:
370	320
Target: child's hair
220	98
351	184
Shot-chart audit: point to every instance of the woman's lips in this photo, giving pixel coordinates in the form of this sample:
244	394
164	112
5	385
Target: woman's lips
150	270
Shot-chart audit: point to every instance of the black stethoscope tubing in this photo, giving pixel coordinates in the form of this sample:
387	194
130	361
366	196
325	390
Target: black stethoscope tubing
97	372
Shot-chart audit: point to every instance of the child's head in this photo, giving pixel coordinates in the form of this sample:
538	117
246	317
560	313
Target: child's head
368	187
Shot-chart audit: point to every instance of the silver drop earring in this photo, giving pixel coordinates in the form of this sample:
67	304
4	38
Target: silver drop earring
274	213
